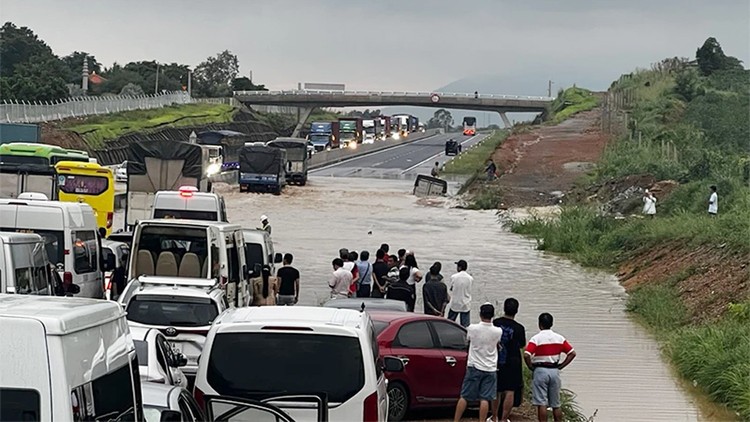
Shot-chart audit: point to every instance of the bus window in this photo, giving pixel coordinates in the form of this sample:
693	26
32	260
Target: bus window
83	185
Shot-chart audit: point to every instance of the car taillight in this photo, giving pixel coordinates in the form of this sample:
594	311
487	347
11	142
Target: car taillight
110	216
371	408
67	278
199	397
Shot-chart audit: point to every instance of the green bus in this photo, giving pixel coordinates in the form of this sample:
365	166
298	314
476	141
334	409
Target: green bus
21	153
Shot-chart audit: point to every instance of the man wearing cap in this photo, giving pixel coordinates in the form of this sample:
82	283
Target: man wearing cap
460	287
480	381
265	223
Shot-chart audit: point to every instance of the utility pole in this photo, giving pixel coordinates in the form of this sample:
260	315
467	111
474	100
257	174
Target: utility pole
156	85
549	88
190	83
85	76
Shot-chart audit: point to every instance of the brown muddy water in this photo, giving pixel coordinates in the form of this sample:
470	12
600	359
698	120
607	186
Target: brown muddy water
618	372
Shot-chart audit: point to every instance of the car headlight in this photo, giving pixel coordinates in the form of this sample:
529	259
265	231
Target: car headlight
395	136
213	169
353	144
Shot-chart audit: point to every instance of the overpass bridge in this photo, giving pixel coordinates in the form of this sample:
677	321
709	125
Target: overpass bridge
306	100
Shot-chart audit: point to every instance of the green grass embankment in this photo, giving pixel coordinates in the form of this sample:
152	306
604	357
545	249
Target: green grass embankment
96	129
474	160
571	101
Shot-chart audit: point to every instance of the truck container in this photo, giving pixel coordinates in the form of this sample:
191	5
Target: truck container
262	168
402	123
385	128
413	123
18	132
350	131
158	165
323	135
296	156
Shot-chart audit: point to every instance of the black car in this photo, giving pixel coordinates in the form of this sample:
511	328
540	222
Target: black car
452	147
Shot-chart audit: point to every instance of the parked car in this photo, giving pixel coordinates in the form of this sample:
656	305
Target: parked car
367	304
169	403
121	173
156	359
434	353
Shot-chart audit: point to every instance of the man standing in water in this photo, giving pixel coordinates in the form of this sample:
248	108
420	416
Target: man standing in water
265	224
509	361
542	356
480	381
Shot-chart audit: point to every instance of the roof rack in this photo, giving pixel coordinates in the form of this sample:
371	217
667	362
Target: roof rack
200	283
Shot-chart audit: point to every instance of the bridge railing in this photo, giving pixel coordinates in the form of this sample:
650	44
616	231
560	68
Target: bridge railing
392	93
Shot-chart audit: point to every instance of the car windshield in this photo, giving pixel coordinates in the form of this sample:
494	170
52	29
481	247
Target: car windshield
172	310
248	365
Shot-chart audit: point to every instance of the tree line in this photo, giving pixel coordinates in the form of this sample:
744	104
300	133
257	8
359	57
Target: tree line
30	71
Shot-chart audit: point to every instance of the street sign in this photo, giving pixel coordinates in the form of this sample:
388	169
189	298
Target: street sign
435	98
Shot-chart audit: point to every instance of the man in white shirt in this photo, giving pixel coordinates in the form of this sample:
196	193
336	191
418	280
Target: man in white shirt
460	287
480	381
713	202
340	281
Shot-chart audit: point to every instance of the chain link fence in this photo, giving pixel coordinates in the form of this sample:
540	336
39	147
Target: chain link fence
36	112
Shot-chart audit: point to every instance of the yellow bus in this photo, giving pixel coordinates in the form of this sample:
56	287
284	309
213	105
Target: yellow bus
90	183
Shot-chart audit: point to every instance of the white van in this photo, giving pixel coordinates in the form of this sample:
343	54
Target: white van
24	268
66	359
189	203
258	352
259	251
70	234
195	249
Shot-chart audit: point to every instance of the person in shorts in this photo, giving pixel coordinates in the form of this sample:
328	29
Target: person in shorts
509	362
480	381
542	356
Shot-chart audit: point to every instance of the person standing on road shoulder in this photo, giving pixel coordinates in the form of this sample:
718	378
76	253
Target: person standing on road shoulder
542	356
713	202
265	224
435	292
509	361
365	274
340	281
480	381
649	204
288	282
460	288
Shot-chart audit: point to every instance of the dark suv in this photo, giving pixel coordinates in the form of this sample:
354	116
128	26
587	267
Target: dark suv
452	147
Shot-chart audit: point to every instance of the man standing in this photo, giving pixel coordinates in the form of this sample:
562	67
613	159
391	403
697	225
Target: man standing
461	294
401	290
480	381
379	270
365	274
289	283
265	224
509	361
542	356
340	281
713	202
435	292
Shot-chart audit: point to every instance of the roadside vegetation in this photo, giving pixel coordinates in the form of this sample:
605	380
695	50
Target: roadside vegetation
472	161
571	101
96	129
688	124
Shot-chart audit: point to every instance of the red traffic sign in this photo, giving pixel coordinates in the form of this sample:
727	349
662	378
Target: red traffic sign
435	98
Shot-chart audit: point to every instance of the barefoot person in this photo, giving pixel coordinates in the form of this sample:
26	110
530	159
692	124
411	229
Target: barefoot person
480	381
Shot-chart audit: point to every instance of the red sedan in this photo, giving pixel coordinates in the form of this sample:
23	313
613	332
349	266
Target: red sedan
434	353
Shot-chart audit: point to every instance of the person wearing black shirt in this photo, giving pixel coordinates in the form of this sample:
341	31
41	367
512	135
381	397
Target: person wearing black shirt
380	269
289	283
435	292
401	290
509	361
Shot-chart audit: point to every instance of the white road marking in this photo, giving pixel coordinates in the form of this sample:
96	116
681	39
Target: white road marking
438	154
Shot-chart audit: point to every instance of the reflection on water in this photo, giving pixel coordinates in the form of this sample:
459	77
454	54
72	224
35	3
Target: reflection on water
618	370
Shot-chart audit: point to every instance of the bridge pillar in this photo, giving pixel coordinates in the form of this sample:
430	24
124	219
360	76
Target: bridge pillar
508	125
302	114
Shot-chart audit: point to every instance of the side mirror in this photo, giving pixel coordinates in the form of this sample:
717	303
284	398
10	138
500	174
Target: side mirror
178	360
392	364
170	416
278	258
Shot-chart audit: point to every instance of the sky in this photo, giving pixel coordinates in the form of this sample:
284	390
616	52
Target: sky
496	46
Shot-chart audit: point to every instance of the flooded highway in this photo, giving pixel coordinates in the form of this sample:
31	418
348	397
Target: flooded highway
618	370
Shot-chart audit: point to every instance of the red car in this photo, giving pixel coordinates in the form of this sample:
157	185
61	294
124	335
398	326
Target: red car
434	353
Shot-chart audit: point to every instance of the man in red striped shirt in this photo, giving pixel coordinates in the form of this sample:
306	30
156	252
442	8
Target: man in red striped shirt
542	356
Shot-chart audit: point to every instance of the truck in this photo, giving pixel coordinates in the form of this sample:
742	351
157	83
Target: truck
402	124
350	131
262	168
296	156
156	165
324	135
372	129
19	132
385	128
413	123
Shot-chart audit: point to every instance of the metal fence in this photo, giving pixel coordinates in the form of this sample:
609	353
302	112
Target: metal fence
307	92
35	112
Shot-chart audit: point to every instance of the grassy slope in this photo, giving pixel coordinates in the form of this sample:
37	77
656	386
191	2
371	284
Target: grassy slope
571	101
710	134
473	160
97	129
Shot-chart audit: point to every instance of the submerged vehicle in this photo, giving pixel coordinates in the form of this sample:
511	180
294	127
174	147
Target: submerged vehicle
262	168
296	156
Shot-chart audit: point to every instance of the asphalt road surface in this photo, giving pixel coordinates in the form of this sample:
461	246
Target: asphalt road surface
403	161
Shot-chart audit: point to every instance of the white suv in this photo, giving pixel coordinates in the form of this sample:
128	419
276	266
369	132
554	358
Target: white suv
266	353
182	308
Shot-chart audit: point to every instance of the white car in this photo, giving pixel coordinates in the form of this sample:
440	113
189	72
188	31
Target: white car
160	400
156	359
121	174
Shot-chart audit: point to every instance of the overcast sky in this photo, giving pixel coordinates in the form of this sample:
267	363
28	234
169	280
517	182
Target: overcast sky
392	44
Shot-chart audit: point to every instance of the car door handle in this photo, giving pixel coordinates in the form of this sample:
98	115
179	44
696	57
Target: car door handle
404	359
450	360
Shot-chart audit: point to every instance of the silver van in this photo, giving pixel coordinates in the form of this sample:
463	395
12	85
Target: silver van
24	268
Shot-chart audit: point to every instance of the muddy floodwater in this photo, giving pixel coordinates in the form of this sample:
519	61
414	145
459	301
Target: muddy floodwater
618	371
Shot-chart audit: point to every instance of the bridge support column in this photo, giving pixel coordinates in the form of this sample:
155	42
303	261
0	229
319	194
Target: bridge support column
506	121
302	114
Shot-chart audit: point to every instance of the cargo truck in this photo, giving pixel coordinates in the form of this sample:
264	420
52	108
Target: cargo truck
262	168
296	158
350	131
372	129
413	123
402	120
324	135
385	128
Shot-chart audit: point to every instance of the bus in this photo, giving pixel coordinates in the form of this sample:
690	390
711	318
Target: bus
470	126
21	153
90	183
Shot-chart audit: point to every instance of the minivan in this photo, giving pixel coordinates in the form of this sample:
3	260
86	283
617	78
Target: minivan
269	351
24	268
70	235
66	359
189	203
259	251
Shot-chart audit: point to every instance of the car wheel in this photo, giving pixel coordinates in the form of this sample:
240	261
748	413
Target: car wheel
398	401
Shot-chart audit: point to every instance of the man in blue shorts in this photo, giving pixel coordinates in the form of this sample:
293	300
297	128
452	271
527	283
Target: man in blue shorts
480	381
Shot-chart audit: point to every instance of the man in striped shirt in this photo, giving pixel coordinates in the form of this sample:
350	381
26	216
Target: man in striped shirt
542	356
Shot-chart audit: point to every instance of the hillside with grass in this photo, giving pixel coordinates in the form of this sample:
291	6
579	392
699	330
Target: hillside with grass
571	101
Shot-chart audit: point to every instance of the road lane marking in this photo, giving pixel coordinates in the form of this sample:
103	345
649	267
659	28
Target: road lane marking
439	154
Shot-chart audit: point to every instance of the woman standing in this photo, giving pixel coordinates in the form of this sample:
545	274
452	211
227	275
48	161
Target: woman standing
415	276
265	288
